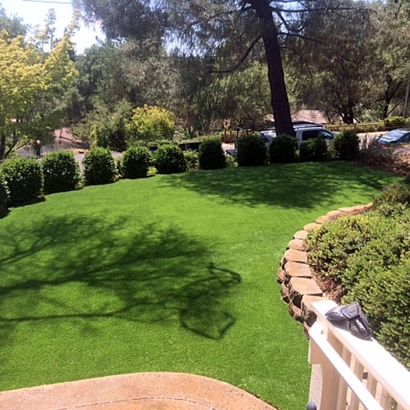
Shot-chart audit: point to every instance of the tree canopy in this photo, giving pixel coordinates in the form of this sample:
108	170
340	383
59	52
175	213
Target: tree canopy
28	78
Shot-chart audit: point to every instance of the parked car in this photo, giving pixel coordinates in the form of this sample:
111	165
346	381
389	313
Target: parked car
399	136
304	131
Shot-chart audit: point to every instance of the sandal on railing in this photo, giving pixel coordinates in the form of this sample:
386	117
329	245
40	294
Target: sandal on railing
358	324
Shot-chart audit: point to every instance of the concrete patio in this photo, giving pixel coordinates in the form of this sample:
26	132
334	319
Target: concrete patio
148	391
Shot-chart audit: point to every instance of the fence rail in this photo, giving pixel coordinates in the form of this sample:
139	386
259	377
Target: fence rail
353	374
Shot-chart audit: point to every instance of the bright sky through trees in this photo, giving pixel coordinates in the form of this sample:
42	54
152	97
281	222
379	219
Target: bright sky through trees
34	12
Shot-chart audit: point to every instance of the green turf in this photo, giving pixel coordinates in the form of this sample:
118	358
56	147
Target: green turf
171	273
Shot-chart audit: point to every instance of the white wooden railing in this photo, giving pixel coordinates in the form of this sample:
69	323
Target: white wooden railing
353	374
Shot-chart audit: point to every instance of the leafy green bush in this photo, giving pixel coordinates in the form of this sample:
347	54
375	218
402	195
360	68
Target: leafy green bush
251	151
347	145
331	246
231	161
61	172
393	198
314	149
99	166
4	193
211	154
24	178
169	159
150	123
369	256
136	162
282	149
192	160
386	301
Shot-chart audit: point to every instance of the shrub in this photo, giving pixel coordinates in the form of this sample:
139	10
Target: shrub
369	255
150	123
24	178
211	154
315	149
136	162
386	301
192	160
347	145
61	172
231	161
4	193
398	193
282	149
251	151
169	159
331	246
99	166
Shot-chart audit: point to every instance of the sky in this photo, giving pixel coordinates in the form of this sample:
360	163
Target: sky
34	12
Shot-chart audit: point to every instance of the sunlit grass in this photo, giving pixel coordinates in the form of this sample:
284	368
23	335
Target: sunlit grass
171	273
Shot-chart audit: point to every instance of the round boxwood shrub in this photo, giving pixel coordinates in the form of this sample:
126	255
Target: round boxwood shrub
250	151
169	159
211	154
347	145
61	172
24	178
282	149
99	166
136	162
4	193
398	193
192	160
314	149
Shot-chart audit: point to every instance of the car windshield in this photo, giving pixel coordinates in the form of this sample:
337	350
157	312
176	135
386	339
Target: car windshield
394	135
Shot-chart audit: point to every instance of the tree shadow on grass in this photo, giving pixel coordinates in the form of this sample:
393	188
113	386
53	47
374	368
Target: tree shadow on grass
87	269
302	185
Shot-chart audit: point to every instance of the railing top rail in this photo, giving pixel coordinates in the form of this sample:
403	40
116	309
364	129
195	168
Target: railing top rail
385	368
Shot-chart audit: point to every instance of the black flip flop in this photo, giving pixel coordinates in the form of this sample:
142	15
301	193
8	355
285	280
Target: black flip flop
358	324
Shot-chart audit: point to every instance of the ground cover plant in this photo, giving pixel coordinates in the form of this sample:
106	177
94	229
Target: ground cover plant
177	275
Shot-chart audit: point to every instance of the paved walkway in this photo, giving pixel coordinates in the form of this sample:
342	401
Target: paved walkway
139	391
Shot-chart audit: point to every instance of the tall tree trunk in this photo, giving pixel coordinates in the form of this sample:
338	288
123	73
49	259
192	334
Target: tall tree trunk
279	96
2	146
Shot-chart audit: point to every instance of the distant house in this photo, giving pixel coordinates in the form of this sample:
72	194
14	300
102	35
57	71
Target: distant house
316	116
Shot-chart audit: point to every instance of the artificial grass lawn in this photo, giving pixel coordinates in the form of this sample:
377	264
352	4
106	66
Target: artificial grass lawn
171	273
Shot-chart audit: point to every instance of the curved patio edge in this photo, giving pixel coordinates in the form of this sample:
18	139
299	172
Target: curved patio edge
137	391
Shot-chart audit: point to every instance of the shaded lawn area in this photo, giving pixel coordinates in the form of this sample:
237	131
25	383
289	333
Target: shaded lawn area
172	273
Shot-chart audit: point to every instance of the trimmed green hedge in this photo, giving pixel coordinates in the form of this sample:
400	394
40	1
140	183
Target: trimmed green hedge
99	166
61	172
24	178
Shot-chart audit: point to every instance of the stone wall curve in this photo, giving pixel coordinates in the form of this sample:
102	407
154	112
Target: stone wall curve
298	284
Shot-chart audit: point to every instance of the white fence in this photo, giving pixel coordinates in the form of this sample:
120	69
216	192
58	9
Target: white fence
353	374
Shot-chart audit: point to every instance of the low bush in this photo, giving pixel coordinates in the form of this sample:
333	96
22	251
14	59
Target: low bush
61	172
211	154
4	193
368	255
24	178
192	160
282	149
251	151
386	301
392	195
99	167
169	159
315	149
347	145
136	162
231	161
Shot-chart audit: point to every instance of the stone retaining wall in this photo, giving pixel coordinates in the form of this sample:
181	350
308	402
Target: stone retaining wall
298	285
